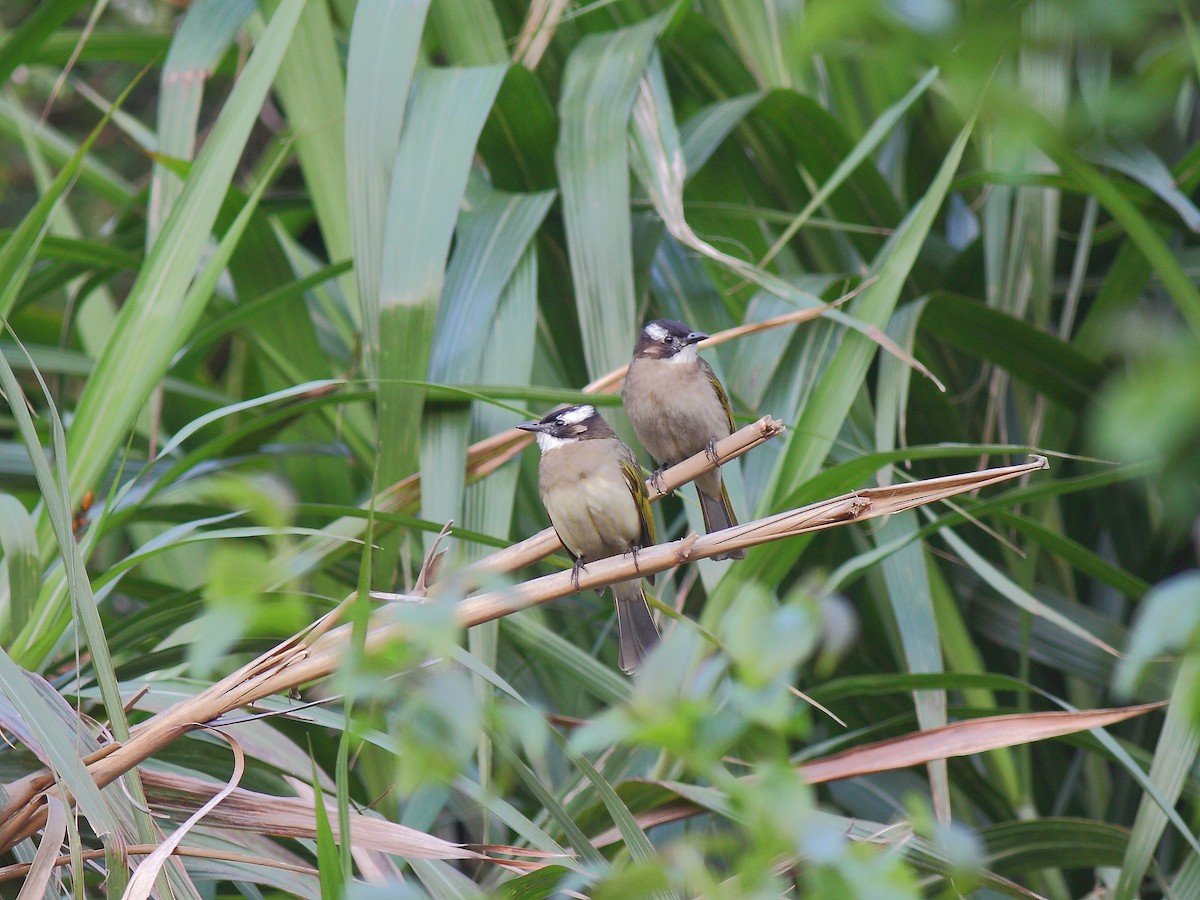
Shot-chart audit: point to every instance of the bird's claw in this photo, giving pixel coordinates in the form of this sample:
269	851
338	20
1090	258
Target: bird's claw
656	481
710	450
576	568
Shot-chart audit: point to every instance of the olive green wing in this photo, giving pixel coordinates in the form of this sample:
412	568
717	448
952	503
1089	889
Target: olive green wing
637	489
719	391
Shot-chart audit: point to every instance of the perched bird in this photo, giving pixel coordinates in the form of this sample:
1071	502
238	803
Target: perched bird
678	408
592	488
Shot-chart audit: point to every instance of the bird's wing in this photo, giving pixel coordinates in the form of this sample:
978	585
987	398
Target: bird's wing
637	488
719	391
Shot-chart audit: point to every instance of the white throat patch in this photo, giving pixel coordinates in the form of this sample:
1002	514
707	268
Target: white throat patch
578	414
548	442
686	356
656	332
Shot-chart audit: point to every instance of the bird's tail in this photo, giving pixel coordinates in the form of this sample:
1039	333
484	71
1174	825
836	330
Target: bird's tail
635	627
717	510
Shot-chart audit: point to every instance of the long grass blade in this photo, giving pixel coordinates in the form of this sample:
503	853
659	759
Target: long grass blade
599	87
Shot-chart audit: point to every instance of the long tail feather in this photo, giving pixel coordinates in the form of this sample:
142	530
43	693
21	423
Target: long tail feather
718	513
635	626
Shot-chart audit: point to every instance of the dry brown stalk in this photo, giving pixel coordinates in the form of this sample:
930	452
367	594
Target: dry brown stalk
318	652
22	870
526	552
869	503
607	384
957	739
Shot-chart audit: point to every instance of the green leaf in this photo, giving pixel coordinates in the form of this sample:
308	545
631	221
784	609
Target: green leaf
593	170
312	87
23	42
470	32
110	371
1053	842
18	252
1041	360
1008	588
384	49
814	434
536	885
58	740
18	542
1139	163
148	330
329	857
908	591
1174	757
491	239
1176	282
207	29
1167	621
518	140
445	114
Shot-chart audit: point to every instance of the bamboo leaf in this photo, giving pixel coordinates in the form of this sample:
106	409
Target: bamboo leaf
1141	232
312	87
207	29
907	580
18	252
109	372
384	49
1042	361
37	27
470	31
18	542
1139	162
150	313
600	83
445	115
814	433
1013	592
58	742
1173	760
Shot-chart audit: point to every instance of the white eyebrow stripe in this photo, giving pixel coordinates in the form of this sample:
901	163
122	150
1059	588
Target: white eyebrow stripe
578	414
656	332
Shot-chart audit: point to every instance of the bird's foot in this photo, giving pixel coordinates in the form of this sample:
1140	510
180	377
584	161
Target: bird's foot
634	551
576	568
710	450
656	481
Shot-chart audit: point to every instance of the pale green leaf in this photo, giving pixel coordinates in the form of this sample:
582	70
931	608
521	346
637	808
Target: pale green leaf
600	83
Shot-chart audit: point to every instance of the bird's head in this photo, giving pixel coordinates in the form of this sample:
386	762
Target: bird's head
567	426
668	340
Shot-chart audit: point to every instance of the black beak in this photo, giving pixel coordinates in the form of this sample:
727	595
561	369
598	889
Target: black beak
532	426
695	337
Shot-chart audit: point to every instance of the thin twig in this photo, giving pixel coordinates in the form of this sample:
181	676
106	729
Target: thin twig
526	552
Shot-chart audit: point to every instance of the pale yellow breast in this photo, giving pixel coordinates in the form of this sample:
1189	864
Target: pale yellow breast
588	499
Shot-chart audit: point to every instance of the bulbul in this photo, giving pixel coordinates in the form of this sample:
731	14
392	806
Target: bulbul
678	408
593	491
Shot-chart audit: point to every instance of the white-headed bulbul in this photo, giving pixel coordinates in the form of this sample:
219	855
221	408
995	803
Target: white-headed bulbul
593	491
678	408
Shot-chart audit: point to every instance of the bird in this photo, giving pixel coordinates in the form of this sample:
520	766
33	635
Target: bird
592	488
678	408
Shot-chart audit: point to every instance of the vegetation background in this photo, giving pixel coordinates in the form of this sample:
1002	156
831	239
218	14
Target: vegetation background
265	262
